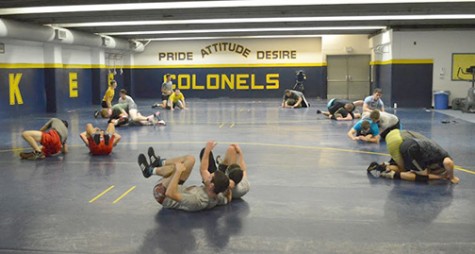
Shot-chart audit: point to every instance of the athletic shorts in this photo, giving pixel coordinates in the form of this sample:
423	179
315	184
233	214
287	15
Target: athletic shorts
385	132
104	104
165	97
51	142
393	143
102	148
330	102
411	154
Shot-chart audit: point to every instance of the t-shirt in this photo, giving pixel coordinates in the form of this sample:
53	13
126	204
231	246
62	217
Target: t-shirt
109	95
293	95
129	101
194	198
336	104
117	110
387	120
373	128
61	129
175	98
372	104
167	87
241	188
423	150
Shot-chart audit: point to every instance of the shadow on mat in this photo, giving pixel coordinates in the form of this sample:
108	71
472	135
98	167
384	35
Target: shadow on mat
184	232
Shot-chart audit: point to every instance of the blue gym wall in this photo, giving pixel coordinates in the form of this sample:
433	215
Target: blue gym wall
31	89
193	81
407	84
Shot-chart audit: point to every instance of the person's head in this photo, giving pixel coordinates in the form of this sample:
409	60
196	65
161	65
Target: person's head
218	182
65	123
106	113
113	84
177	91
349	107
290	102
377	93
168	77
287	92
365	127
123	93
234	173
375	115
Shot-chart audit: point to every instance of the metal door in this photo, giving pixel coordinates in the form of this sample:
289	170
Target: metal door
348	76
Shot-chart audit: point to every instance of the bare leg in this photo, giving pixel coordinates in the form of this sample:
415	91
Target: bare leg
136	116
410	176
358	103
169	167
231	156
33	137
90	130
110	128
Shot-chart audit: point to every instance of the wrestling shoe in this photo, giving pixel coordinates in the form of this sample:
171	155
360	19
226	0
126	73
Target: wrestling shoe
96	138
375	166
96	114
144	167
319	111
25	155
107	139
156	105
35	156
161	122
155	160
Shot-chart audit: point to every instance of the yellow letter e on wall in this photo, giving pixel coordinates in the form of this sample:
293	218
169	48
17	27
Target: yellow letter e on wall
15	94
73	85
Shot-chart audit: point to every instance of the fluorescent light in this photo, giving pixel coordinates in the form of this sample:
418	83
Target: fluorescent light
231	37
237	30
266	20
198	4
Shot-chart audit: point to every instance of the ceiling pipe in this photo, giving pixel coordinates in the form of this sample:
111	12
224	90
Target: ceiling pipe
30	32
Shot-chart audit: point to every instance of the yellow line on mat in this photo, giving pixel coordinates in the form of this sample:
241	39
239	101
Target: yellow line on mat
464	170
123	195
101	194
232	125
221	125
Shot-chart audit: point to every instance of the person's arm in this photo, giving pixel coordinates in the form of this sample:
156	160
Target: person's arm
449	166
229	194
382	106
298	103
348	117
170	103
117	138
172	189
352	134
183	101
65	148
84	138
205	160
366	108
370	138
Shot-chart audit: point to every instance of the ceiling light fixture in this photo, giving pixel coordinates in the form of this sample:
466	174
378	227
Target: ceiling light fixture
237	30
266	20
197	5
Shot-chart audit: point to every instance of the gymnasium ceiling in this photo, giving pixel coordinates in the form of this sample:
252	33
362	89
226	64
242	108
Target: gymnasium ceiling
203	19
